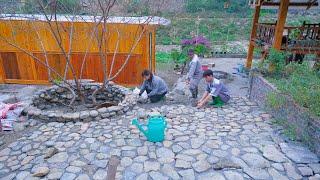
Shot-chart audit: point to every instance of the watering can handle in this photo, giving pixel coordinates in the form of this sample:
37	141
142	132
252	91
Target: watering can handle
165	124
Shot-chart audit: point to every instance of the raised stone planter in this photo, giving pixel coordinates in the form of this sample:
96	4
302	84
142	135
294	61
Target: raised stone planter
306	126
47	104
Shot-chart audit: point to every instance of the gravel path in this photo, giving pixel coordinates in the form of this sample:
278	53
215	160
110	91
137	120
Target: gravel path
236	142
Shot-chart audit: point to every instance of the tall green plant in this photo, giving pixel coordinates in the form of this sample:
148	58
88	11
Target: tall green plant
178	57
200	49
276	61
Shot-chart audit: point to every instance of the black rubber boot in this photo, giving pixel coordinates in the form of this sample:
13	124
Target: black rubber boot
194	93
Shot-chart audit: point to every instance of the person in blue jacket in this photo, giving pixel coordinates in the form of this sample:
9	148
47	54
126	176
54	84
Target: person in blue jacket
215	90
155	86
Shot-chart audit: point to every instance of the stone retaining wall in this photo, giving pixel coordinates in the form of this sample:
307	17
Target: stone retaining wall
306	126
45	103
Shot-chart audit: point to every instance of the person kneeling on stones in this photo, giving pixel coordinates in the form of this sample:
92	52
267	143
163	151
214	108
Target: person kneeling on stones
215	90
155	86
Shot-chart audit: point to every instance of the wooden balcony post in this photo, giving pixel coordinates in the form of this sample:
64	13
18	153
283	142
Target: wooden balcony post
282	16
253	35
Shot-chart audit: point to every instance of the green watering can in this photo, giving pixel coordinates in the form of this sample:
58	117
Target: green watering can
155	128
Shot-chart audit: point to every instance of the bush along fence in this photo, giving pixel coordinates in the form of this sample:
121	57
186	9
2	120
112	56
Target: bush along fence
298	123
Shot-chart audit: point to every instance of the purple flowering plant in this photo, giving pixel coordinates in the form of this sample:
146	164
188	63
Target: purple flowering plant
197	40
199	44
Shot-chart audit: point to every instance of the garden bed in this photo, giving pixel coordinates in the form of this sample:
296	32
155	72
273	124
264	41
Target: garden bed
50	104
299	123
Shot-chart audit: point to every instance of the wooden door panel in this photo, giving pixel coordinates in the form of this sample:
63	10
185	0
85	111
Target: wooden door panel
10	65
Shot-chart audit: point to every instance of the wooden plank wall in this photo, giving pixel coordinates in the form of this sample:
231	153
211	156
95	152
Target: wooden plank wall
35	37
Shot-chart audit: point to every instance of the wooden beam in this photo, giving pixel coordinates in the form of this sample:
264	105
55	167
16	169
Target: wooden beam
282	16
253	35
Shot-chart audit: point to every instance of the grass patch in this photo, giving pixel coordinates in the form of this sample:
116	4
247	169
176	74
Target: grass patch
302	84
289	129
215	29
216	26
299	81
275	100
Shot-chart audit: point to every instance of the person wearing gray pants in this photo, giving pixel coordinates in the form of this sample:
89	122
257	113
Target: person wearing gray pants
194	74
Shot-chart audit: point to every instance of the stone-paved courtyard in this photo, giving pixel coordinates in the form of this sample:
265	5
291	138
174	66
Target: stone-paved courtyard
236	142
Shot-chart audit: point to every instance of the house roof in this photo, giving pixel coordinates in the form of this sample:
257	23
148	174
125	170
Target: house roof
150	20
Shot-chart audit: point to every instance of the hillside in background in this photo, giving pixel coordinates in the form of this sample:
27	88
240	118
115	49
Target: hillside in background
226	23
219	24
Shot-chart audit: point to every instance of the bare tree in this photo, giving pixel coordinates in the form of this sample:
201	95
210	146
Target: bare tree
62	29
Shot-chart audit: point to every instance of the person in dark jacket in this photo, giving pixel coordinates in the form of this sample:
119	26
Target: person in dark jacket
155	86
215	90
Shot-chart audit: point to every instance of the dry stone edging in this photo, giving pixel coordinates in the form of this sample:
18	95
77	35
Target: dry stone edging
124	98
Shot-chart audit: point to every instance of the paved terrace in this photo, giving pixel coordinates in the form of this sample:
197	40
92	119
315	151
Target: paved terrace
236	142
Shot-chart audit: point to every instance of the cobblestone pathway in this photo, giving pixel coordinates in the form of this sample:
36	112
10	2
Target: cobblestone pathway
236	142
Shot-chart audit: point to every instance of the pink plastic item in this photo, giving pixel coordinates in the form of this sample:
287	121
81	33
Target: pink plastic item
205	67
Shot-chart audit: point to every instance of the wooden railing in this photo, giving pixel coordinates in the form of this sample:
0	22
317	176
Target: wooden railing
303	38
265	33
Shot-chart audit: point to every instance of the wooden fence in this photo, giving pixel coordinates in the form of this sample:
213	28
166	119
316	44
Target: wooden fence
35	37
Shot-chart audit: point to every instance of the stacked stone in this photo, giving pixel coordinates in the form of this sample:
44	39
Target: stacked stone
45	100
56	96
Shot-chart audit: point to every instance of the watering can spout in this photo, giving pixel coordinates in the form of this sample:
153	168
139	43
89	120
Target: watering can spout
139	126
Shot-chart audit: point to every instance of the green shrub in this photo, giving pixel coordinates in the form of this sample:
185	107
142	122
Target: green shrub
294	34
178	57
166	40
163	57
275	63
302	84
201	49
